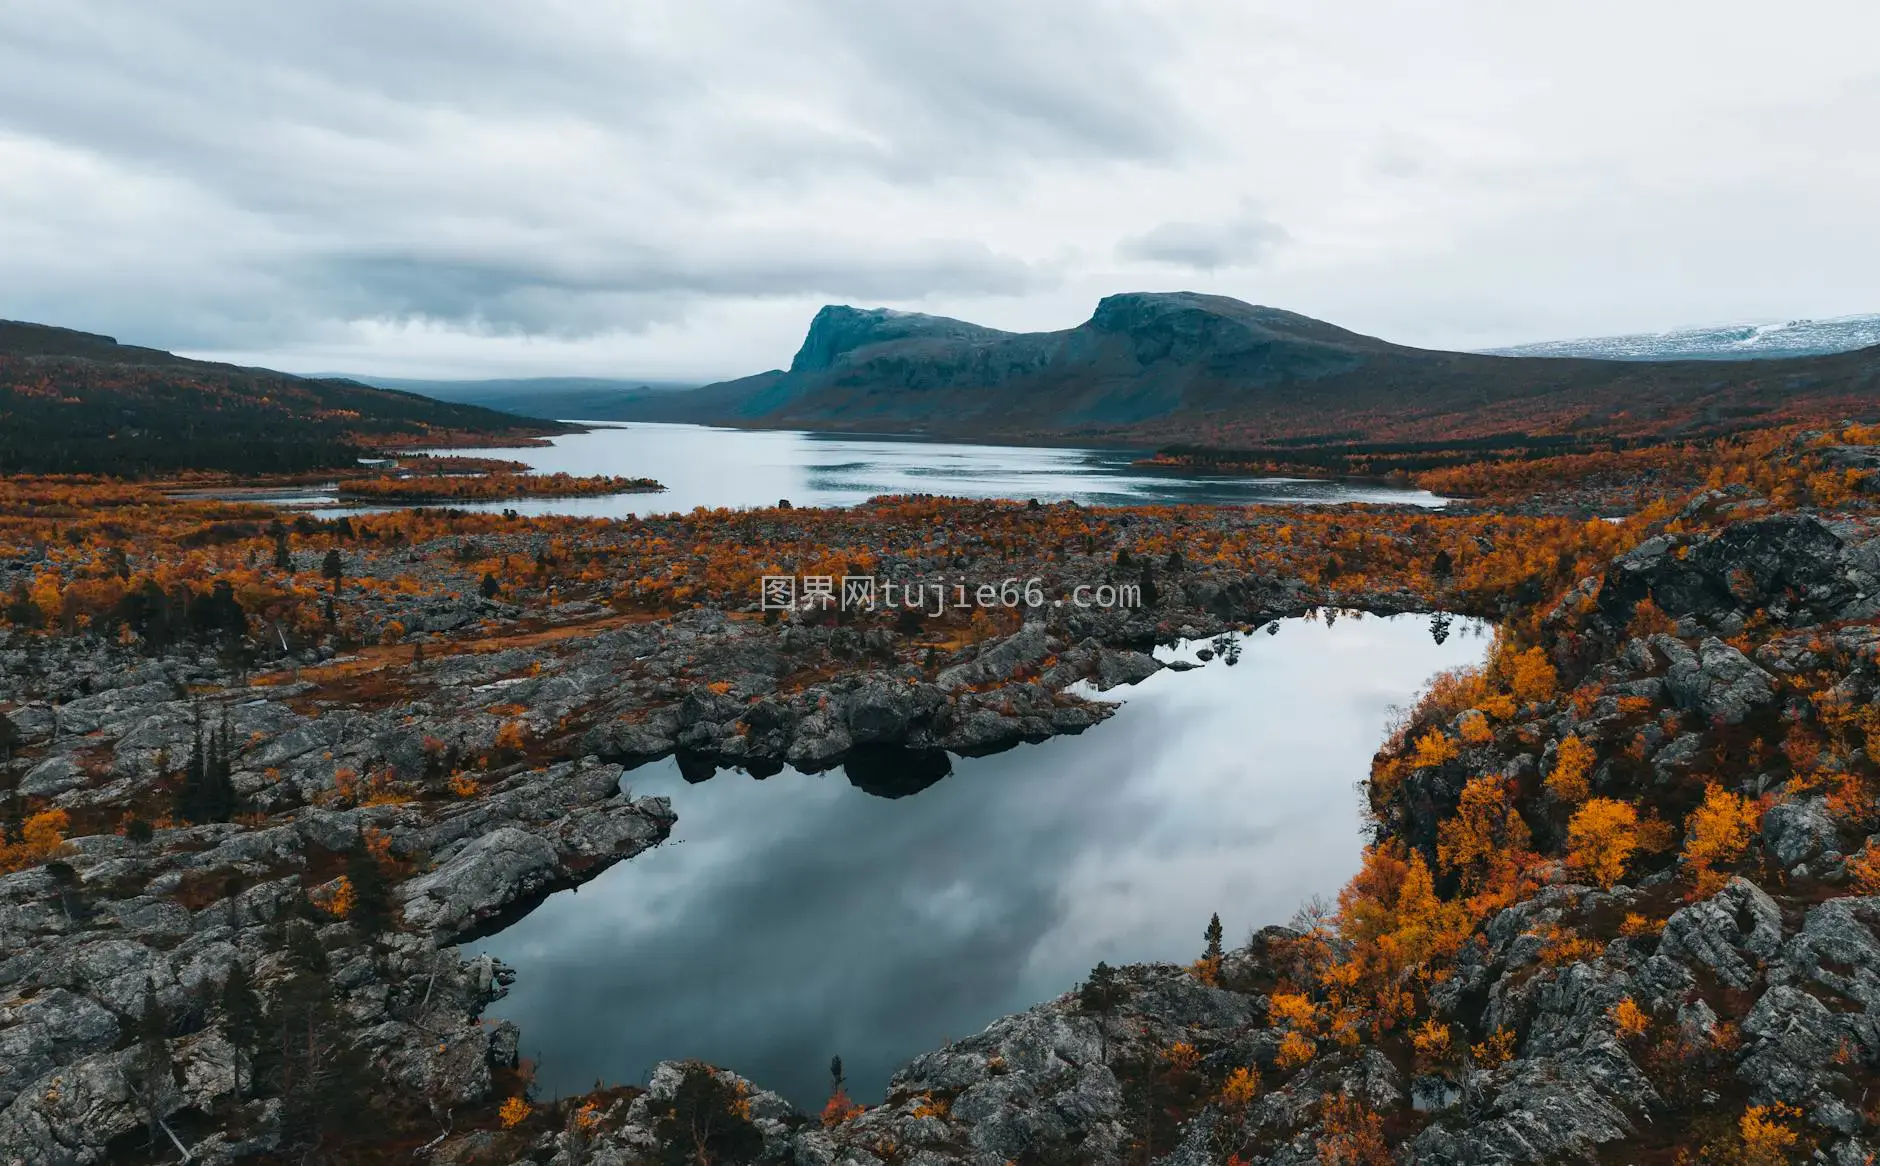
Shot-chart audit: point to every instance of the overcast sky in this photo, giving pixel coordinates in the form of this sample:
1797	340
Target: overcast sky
470	188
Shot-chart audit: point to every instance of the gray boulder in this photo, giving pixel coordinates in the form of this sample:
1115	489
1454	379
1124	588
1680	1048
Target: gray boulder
1719	682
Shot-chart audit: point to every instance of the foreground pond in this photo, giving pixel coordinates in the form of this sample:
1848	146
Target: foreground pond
703	466
800	917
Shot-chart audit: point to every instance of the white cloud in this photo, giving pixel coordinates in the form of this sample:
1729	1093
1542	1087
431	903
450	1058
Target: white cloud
673	187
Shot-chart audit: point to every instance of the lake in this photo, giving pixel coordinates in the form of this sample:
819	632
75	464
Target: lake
704	466
799	917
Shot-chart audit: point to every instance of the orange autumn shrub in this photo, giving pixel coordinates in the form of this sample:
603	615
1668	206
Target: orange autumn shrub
1352	1134
1294	1010
1485	842
514	1112
1573	765
838	1109
1863	871
40	838
1717	833
1530	676
1432	1043
1628	1019
1601	838
1295	1051
1393	920
1496	1050
1240	1087
1434	748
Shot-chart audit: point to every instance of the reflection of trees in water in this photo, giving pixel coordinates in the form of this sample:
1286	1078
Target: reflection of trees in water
886	771
1439	626
889	771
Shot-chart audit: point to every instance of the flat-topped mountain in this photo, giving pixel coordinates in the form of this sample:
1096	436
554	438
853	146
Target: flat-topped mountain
78	402
1181	366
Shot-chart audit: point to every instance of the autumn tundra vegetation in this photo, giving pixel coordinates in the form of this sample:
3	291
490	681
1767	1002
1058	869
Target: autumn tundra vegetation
262	770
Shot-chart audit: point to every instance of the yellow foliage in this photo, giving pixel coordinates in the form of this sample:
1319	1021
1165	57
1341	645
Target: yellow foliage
514	1112
1863	871
1352	1135
1628	1019
1649	619
512	737
1181	1055
1563	945
463	785
1637	926
1530	675
931	1106
1241	1086
1767	1138
1432	1043
1495	1050
40	838
339	901
1389	912
1499	706
1601	837
1295	1051
1473	725
1293	1010
1434	748
1717	833
1573	764
1485	843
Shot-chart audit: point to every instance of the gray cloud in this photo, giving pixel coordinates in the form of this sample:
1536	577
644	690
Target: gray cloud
1245	240
583	173
637	284
676	185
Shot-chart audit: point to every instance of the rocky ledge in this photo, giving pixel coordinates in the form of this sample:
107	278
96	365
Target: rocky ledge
119	931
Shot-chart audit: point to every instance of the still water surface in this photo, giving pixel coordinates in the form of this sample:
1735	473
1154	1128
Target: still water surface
703	466
800	917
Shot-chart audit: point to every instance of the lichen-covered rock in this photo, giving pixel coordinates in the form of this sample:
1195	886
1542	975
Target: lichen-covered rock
1732	934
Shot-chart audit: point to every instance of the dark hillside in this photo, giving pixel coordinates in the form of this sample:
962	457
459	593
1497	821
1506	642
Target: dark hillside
74	402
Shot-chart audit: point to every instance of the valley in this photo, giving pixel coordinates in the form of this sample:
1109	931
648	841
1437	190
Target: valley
295	800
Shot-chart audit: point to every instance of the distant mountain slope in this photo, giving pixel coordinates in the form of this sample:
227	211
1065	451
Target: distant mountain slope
1732	342
1183	367
75	402
582	398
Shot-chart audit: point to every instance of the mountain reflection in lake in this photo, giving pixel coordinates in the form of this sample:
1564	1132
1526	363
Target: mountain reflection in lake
704	466
798	917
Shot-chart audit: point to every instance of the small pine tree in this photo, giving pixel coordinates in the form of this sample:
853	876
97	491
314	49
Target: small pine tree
1213	937
151	1068
706	1121
372	891
241	1019
208	790
1098	997
333	567
489	588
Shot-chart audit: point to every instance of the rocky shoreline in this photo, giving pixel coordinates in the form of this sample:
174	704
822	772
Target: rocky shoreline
1616	1021
482	781
370	808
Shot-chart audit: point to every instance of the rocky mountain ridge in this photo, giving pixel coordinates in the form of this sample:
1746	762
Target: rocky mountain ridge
1186	367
